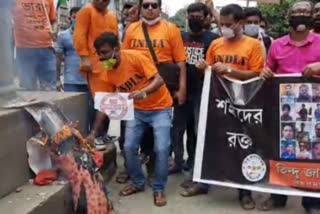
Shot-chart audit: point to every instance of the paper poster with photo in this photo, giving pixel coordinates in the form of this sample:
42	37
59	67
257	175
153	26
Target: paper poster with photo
272	141
117	106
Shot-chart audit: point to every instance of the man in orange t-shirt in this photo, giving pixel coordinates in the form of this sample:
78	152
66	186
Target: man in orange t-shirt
166	39
34	24
132	72
236	56
92	20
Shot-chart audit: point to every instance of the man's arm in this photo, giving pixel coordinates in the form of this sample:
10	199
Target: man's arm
243	75
156	83
182	83
215	14
97	125
81	31
80	38
149	70
179	56
59	59
223	69
52	15
312	69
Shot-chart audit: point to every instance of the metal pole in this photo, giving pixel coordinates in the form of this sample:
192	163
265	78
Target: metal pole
7	87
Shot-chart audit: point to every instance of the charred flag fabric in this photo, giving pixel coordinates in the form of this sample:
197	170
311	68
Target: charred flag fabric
260	136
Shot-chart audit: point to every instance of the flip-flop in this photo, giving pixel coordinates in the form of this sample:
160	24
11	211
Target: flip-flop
130	190
159	199
122	178
247	203
194	191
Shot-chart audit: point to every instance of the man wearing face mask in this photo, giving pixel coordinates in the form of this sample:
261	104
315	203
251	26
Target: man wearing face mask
132	72
252	27
196	43
316	18
236	56
302	47
125	18
167	45
73	80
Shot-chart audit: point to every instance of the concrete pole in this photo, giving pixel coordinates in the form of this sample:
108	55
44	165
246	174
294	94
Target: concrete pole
7	89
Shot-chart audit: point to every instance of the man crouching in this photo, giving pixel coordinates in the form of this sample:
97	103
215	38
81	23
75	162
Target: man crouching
132	72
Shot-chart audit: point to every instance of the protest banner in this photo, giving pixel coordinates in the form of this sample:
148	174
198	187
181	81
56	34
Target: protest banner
260	136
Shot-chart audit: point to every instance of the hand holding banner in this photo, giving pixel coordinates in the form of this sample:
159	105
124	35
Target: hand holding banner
117	106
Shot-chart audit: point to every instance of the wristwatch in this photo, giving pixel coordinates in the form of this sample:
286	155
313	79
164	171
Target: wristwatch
144	94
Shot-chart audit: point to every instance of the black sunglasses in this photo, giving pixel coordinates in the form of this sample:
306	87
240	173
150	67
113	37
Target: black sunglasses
147	5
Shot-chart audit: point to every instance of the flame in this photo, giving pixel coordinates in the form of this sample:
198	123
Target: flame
64	133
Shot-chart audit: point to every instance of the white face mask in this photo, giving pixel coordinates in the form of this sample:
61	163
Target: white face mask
151	22
251	30
227	32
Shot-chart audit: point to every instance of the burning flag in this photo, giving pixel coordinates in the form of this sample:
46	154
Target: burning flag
77	160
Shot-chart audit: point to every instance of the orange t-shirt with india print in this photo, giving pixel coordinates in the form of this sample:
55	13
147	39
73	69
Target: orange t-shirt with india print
244	54
135	72
165	37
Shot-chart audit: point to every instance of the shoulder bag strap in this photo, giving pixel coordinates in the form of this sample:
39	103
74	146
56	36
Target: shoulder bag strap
149	43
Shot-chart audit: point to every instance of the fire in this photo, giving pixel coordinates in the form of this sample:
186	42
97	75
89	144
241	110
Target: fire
64	133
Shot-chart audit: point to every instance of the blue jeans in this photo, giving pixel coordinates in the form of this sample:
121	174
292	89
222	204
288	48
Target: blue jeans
36	64
160	121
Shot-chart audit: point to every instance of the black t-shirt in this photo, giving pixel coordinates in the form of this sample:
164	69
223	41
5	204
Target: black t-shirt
196	47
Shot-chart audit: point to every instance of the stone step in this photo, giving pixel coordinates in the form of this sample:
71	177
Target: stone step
33	199
16	127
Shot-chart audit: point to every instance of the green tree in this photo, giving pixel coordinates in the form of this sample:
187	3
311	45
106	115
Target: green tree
180	18
276	14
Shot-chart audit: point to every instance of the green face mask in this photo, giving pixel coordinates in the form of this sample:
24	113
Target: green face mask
109	63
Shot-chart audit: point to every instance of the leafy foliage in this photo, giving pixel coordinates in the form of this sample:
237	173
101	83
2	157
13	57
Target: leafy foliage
180	18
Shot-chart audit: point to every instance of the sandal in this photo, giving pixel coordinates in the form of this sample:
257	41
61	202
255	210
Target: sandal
122	178
269	204
186	184
194	190
159	199
174	170
247	203
130	190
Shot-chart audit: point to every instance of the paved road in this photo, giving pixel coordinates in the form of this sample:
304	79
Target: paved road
219	200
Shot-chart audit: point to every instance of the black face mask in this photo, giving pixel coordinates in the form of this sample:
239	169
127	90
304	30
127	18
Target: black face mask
316	23
300	23
196	25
